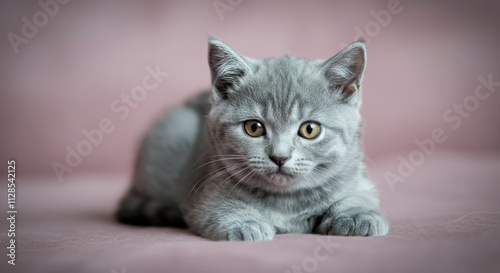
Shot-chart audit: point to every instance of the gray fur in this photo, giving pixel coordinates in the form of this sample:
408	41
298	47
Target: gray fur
198	167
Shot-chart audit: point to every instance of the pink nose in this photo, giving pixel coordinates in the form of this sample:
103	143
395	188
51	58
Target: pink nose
278	160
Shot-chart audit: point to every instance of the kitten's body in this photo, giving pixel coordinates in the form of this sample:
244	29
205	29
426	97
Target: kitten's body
198	167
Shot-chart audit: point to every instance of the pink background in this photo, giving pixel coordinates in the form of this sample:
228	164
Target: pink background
63	81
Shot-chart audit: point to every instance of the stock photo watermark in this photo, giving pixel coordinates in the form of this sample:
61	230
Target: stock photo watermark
121	107
11	211
381	19
325	248
454	116
223	6
31	26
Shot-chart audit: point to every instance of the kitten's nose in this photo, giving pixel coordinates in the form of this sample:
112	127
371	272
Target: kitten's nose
278	160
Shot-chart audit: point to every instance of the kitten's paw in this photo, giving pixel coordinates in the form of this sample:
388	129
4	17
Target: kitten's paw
368	223
250	231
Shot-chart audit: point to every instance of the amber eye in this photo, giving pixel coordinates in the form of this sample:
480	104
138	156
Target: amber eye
309	129
254	128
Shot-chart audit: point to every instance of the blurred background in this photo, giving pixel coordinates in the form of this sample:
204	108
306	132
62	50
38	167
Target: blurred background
66	66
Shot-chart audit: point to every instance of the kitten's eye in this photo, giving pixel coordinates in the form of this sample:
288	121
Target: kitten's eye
309	129
254	128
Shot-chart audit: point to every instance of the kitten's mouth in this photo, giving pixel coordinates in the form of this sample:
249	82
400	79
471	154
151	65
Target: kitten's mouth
281	177
282	172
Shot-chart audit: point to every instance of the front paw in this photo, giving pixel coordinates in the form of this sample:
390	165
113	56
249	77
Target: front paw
250	231
358	223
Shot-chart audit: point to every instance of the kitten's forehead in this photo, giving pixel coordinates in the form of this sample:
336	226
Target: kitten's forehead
282	91
287	89
283	109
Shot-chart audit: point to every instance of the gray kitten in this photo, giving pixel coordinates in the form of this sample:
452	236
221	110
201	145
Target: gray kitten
273	148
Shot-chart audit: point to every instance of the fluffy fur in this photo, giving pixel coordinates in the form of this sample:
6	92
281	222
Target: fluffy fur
198	167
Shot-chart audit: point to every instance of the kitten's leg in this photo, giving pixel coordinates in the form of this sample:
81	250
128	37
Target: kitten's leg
356	214
141	210
229	220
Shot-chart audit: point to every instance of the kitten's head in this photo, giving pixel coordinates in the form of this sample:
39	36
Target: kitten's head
285	123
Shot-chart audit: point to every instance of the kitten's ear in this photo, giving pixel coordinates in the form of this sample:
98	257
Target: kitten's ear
227	67
344	71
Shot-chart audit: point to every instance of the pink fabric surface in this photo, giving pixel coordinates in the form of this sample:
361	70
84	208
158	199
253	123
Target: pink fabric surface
445	218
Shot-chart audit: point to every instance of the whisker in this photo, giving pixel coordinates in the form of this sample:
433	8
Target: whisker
212	161
253	173
242	179
201	156
231	176
222	170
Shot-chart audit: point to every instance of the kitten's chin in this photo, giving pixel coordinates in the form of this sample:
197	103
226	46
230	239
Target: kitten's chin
281	179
